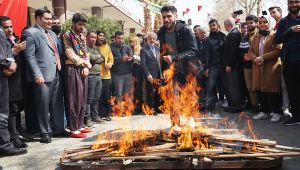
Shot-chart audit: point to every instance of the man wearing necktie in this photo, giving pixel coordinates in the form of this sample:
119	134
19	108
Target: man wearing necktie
43	68
150	58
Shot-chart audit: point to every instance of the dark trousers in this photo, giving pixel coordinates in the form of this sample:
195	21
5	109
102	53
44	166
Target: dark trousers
93	96
31	121
211	96
49	99
220	88
122	84
76	87
15	108
153	98
5	143
269	102
137	74
105	107
231	82
291	73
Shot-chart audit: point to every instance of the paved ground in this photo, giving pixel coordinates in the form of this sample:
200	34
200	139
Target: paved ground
46	156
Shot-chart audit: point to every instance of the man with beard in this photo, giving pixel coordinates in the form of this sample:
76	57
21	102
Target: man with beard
15	83
213	62
251	22
7	67
288	33
77	67
178	46
232	66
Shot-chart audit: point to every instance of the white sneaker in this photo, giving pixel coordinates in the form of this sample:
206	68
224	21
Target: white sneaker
260	115
276	118
286	112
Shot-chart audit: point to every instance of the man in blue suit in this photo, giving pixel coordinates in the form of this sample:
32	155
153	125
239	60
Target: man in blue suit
43	67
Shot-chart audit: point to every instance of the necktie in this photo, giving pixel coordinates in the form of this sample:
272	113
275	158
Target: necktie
58	64
153	50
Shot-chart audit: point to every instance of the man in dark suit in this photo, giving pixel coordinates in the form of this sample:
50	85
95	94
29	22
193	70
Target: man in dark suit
232	66
7	68
150	58
15	83
43	67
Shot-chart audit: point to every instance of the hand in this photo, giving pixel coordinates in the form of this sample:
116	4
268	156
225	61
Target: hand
206	73
125	57
20	46
168	59
247	57
228	69
13	67
259	61
130	58
85	72
87	64
296	28
7	72
150	78
40	81
108	66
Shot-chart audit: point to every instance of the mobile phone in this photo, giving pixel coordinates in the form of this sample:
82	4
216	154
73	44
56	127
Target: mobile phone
264	12
23	38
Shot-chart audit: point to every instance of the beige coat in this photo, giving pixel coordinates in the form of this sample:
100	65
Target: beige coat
267	77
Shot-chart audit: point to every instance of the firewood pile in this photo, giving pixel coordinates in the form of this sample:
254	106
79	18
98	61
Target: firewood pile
203	147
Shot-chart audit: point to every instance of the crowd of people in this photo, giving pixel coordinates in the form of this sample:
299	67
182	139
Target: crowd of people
64	81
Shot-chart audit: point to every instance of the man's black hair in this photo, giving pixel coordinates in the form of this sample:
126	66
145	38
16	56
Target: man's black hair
78	17
213	21
100	32
168	8
277	8
89	32
119	33
252	18
54	17
41	12
4	18
196	26
243	24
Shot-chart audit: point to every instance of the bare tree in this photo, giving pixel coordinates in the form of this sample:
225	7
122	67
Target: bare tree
250	5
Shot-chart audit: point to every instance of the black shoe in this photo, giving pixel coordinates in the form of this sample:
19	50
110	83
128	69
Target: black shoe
25	139
45	139
19	143
62	134
14	151
292	122
97	120
108	118
89	123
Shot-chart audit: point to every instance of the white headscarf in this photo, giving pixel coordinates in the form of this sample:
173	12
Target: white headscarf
271	21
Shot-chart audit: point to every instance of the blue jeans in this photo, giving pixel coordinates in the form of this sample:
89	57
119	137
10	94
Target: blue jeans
122	84
94	92
211	95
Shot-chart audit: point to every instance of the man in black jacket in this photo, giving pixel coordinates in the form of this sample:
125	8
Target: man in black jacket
288	33
7	68
213	62
232	66
122	68
178	46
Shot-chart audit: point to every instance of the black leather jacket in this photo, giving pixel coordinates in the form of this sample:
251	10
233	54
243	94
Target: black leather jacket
6	56
213	52
185	43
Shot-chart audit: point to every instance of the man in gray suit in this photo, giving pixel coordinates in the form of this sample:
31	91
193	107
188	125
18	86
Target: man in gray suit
150	58
43	68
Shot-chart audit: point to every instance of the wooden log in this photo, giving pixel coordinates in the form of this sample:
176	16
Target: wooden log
241	155
287	148
161	147
147	157
86	152
258	142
